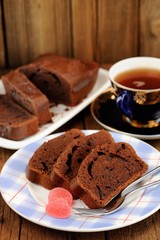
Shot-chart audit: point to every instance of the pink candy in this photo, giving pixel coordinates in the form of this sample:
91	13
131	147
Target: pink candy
58	208
59	203
62	193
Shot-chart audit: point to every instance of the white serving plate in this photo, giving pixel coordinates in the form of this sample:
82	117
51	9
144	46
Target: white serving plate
29	200
62	113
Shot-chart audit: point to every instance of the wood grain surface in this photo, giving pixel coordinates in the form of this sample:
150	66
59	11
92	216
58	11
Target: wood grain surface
2	47
102	30
149	28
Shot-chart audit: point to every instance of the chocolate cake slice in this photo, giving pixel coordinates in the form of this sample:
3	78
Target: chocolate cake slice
106	171
27	95
41	163
68	163
15	122
61	79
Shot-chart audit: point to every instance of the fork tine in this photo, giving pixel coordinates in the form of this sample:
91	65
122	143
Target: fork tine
89	213
141	179
88	210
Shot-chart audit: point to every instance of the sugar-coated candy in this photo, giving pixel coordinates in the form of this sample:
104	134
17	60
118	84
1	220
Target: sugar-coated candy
58	208
62	193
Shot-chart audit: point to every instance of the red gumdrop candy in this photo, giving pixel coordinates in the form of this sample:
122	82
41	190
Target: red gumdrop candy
58	208
62	193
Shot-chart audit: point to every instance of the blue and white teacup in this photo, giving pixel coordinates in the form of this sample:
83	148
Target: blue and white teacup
136	85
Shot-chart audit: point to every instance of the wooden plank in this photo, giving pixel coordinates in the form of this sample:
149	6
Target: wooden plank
2	48
147	229
117	30
90	236
104	30
150	28
10	223
36	27
84	28
33	231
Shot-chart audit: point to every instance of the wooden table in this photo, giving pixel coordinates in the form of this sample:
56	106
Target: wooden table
14	227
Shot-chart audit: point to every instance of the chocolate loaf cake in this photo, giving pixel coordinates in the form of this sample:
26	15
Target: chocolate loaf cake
41	163
68	163
15	122
24	93
62	80
106	171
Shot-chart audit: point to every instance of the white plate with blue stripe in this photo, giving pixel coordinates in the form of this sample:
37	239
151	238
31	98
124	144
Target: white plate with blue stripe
22	197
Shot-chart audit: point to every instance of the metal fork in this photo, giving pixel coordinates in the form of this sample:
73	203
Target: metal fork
117	202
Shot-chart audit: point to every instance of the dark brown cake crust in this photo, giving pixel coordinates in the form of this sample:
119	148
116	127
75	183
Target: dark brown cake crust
41	163
15	122
62	80
106	171
24	93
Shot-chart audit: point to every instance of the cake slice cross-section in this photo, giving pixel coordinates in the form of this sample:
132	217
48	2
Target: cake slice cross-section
106	171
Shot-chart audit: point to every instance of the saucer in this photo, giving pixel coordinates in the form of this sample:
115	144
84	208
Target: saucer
105	112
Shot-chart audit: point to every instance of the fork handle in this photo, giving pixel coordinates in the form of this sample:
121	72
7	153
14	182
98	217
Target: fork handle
126	190
143	187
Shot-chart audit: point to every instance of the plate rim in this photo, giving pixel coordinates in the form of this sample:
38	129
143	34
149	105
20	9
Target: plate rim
71	229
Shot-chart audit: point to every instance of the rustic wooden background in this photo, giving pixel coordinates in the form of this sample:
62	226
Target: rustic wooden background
102	30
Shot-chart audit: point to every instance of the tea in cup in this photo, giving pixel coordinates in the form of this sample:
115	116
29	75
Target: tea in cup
136	85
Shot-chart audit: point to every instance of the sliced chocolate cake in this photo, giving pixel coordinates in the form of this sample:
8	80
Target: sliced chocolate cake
61	79
41	163
67	165
106	171
15	122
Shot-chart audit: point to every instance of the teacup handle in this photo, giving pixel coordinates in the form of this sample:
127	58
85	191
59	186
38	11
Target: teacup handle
124	102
